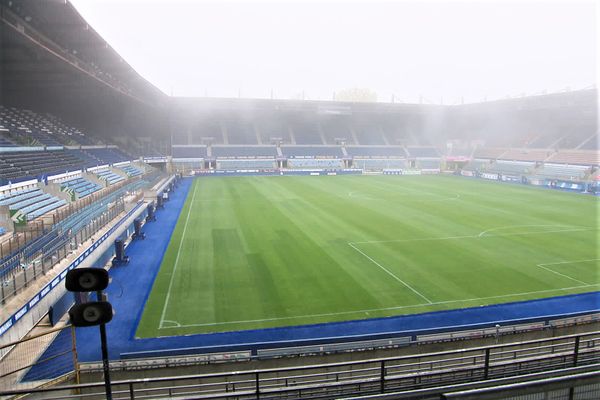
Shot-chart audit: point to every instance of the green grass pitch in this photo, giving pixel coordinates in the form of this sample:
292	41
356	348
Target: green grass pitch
258	252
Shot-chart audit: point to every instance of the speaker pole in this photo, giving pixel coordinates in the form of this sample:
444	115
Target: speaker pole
104	346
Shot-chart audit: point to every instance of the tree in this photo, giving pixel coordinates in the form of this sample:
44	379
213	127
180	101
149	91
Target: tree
357	95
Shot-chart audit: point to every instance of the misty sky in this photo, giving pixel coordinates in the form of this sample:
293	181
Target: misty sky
439	50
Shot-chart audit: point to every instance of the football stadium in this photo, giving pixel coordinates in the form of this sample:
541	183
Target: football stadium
158	246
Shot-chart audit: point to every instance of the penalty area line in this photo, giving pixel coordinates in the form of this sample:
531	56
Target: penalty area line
390	273
545	267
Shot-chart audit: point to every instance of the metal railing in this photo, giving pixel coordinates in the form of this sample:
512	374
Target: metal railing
581	386
26	362
391	374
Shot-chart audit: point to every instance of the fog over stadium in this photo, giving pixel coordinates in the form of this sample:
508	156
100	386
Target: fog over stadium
299	200
431	52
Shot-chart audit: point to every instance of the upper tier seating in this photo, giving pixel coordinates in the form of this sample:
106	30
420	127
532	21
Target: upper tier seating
189	151
108	155
582	157
31	164
270	128
240	132
39	129
489	152
336	128
312	151
423	152
369	134
81	186
244	151
376	151
85	158
526	154
306	132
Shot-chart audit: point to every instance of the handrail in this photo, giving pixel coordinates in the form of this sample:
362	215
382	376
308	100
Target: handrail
359	362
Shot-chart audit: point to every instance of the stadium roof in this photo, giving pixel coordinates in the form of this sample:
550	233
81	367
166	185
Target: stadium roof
48	45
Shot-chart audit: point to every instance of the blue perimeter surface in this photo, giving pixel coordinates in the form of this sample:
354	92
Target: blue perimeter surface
132	283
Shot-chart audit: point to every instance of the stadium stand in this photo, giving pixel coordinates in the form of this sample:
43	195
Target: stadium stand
31	203
244	151
369	134
109	177
429	163
42	129
374	164
131	170
422	152
477	165
107	155
195	151
246	164
376	151
306	132
561	171
512	167
526	154
315	163
80	186
581	157
240	132
18	166
336	128
486	152
312	151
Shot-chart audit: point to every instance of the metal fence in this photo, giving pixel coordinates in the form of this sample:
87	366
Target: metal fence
28	269
81	224
22	237
37	358
374	376
582	386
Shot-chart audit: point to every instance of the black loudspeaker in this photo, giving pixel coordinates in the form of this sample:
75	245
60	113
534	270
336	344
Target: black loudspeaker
91	314
86	280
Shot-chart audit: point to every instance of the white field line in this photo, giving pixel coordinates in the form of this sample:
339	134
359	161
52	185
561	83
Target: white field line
476	236
390	273
376	309
164	311
359	195
544	266
483	233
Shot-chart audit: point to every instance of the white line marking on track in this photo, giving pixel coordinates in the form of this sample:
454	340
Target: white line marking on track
390	273
544	266
162	316
375	309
